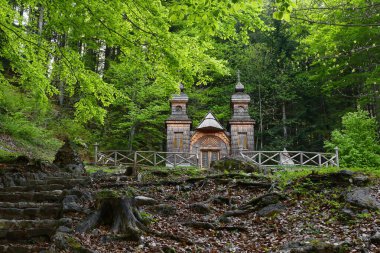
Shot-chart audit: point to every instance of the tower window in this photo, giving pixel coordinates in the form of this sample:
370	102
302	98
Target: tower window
178	108
242	140
178	141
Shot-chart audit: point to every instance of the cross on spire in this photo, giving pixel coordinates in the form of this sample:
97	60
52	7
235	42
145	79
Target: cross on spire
239	86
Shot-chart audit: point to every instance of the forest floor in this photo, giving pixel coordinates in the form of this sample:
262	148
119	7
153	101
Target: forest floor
190	215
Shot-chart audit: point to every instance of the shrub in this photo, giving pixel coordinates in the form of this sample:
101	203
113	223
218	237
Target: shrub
357	140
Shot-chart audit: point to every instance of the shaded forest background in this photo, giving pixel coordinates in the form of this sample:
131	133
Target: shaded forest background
104	71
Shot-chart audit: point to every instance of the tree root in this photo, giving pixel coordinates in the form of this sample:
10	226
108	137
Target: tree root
171	236
120	214
207	225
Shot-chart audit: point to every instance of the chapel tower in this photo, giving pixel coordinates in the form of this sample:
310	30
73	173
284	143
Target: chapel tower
241	124
178	124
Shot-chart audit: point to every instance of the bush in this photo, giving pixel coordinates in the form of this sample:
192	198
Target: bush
358	140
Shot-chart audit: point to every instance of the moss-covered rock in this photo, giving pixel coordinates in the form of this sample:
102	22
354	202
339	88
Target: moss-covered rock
231	164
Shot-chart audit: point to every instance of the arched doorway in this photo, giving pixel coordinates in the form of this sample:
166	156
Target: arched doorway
209	147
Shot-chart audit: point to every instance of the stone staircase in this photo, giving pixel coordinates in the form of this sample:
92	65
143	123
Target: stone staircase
32	208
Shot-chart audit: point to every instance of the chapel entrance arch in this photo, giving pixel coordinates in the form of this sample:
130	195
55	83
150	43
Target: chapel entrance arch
209	147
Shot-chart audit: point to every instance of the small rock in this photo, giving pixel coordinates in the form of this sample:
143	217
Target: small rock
70	204
200	208
186	188
145	201
66	222
271	210
360	180
105	239
60	240
347	214
375	239
225	219
164	209
96	232
64	229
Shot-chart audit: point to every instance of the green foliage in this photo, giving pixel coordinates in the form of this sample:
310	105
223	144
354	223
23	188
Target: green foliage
285	8
357	141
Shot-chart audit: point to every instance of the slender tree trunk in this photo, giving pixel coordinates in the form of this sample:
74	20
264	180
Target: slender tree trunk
261	119
40	19
284	121
101	58
61	93
131	136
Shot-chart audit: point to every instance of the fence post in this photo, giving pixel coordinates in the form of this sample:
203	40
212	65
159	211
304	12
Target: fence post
135	159
115	159
301	158
319	160
96	145
155	159
259	158
336	156
175	160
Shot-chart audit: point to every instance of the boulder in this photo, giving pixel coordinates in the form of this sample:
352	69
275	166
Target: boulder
362	198
68	159
229	163
271	210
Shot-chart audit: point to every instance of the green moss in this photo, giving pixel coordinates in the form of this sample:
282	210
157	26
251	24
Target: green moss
73	243
6	156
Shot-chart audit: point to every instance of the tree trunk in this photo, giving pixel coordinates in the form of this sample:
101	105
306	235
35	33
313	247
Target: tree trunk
40	20
118	213
284	120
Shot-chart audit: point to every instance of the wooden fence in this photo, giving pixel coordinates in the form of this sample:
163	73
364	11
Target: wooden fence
145	158
178	159
291	158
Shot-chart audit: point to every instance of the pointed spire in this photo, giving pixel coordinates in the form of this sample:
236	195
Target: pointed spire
239	86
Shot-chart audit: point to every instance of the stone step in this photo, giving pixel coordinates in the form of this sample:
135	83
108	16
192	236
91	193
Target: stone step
31	213
23	248
58	180
43	196
30	188
16	230
29	205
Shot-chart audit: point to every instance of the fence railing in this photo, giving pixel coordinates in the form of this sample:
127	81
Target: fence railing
291	158
176	159
145	158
